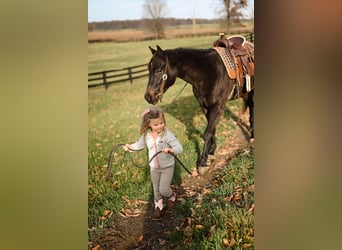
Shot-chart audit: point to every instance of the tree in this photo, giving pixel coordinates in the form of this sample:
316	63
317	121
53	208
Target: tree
154	11
233	10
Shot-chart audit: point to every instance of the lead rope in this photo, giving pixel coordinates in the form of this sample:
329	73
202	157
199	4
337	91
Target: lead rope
110	159
174	99
180	162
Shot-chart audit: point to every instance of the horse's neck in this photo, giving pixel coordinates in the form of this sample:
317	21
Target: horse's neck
183	63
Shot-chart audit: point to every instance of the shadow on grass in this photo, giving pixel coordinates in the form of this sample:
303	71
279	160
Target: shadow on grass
227	113
184	110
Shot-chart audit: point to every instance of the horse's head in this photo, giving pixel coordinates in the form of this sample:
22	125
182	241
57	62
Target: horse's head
160	77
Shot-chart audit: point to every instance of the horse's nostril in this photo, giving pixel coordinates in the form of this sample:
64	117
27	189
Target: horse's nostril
148	98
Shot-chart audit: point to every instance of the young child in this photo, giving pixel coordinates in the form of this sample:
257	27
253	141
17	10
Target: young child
156	137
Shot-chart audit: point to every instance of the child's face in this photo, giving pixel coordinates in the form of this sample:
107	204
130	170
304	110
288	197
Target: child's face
157	124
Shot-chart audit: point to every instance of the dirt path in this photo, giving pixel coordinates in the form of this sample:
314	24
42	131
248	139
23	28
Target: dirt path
140	232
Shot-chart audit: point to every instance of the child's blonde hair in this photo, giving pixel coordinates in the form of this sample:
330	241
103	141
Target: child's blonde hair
153	112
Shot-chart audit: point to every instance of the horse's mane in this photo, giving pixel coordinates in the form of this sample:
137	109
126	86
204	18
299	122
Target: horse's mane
190	51
190	54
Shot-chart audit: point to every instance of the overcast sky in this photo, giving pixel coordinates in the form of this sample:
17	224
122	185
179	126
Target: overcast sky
107	10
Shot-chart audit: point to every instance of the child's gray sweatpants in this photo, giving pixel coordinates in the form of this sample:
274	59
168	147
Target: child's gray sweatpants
161	181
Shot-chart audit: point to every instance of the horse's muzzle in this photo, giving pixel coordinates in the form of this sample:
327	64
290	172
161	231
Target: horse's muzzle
152	99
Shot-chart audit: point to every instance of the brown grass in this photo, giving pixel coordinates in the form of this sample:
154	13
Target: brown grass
140	35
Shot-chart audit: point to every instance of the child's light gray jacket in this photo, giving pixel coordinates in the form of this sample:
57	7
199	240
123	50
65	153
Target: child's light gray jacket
166	140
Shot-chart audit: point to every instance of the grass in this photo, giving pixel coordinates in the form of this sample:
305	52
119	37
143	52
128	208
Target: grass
223	214
106	56
114	117
171	32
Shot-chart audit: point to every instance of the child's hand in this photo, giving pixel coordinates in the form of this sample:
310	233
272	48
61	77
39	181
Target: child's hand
126	147
167	150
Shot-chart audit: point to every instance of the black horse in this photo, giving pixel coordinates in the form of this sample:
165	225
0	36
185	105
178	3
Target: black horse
205	71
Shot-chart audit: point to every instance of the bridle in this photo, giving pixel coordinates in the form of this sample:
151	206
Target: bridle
159	96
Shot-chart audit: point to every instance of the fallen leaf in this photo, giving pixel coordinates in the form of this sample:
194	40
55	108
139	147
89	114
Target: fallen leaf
246	245
232	242
97	247
189	221
121	213
225	242
140	238
194	173
138	202
118	173
106	212
192	211
251	209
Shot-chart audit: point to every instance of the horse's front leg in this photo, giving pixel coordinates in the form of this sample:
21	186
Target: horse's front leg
207	143
213	116
212	143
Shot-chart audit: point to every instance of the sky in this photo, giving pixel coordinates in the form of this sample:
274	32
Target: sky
108	10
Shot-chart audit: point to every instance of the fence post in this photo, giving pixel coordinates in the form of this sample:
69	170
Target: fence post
104	79
130	75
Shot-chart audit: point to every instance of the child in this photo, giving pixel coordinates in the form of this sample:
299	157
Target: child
156	137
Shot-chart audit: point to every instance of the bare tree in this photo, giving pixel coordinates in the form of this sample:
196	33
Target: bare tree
232	11
194	21
154	11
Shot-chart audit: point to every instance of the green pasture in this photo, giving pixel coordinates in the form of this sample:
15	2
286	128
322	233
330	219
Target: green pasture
106	56
114	117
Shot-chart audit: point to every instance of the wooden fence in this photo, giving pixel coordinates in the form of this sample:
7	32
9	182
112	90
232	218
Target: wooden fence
107	77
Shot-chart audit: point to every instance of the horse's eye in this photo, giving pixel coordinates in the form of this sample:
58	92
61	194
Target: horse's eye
159	70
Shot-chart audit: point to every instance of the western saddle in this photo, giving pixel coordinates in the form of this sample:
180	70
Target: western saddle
237	55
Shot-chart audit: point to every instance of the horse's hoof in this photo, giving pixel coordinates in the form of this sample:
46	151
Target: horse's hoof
203	170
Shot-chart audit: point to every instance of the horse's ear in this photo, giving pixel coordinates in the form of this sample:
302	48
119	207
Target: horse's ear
159	49
152	50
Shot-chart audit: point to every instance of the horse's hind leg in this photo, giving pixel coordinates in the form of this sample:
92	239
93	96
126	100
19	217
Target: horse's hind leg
250	103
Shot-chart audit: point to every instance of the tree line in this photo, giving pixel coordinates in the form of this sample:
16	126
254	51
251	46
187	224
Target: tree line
137	24
154	21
